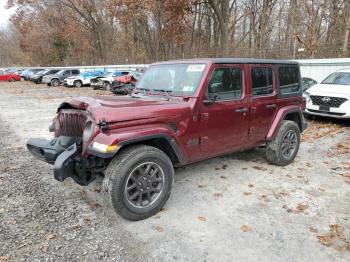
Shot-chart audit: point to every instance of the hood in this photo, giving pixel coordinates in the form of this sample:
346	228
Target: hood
119	109
327	89
101	78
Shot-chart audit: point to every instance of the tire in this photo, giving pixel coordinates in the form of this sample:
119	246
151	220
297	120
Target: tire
78	84
107	86
121	173
12	79
284	147
55	82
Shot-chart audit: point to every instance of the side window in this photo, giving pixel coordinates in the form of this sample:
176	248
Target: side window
288	80
66	72
226	84
75	72
262	83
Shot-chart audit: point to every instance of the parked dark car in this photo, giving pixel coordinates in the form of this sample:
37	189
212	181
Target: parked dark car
307	82
58	78
181	112
38	77
124	85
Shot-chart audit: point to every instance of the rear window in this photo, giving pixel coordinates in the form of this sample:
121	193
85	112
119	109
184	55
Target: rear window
262	83
288	80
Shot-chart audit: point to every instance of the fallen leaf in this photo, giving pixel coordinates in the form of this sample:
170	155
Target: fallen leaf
202	186
247	193
12	222
45	248
159	228
50	236
4	258
224	166
202	218
97	189
301	207
87	221
250	185
94	205
260	168
76	226
313	230
157	217
218	194
325	240
223	177
245	228
163	209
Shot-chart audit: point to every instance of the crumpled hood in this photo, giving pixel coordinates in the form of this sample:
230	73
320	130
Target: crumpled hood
328	90
119	109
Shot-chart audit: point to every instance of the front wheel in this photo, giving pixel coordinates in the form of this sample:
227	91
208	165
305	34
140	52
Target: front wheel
107	86
284	147
138	182
78	84
55	82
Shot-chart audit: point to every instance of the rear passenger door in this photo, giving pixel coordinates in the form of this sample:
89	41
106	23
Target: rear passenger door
263	105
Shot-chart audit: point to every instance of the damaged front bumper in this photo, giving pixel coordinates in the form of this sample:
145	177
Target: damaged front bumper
65	156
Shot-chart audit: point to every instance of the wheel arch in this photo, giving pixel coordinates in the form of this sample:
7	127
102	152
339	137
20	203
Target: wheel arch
291	113
161	141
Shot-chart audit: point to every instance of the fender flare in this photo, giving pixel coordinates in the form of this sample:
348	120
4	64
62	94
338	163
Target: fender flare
171	141
281	114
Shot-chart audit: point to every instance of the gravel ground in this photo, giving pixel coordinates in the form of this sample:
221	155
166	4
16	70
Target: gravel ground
231	208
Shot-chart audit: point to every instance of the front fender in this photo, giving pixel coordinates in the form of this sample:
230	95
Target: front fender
281	114
132	135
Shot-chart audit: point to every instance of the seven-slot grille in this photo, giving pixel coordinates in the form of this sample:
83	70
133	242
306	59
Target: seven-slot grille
327	101
70	122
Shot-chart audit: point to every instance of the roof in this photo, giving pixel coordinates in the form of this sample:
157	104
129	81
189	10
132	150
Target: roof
346	70
232	61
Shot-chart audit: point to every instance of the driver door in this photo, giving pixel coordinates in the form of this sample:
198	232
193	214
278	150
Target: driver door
224	116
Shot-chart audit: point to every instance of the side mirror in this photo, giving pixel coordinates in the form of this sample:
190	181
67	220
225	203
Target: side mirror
210	100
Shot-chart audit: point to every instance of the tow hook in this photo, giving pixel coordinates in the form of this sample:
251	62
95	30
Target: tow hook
103	124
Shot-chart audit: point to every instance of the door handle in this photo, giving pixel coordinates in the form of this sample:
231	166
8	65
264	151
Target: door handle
241	110
271	106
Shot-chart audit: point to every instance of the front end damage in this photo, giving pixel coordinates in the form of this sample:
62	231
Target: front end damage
66	150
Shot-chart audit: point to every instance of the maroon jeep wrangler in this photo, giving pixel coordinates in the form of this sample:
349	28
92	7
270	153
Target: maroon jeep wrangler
181	112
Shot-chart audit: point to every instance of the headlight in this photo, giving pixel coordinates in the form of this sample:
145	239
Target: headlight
307	96
104	148
53	125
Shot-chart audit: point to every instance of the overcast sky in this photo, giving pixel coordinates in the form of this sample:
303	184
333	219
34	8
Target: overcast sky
4	13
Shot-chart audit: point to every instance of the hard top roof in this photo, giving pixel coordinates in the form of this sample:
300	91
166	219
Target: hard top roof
231	61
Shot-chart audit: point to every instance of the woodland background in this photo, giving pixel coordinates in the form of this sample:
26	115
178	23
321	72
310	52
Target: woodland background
92	32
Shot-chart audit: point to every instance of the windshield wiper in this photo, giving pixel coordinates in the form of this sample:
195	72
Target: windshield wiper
167	92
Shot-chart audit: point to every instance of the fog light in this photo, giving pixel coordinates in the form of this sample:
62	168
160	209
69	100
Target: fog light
104	148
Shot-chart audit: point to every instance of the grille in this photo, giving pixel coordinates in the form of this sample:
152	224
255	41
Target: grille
327	101
70	122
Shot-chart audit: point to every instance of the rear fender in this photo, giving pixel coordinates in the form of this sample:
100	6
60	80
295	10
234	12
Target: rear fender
280	116
140	134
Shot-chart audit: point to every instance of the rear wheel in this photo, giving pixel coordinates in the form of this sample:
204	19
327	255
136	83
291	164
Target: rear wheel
284	147
12	79
78	83
107	86
138	182
55	82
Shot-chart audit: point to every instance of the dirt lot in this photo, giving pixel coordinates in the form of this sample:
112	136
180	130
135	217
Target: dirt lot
232	208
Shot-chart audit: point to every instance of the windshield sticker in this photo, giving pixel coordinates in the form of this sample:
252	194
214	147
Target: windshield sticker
187	88
195	68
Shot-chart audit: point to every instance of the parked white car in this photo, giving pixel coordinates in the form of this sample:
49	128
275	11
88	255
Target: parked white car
330	98
84	79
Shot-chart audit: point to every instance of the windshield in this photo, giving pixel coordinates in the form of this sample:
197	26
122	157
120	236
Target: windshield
43	72
338	78
178	79
107	74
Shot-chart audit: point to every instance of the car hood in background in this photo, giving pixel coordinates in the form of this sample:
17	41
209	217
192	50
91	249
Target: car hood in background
328	89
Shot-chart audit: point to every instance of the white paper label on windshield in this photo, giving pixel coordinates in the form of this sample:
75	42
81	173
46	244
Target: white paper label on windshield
195	68
187	88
